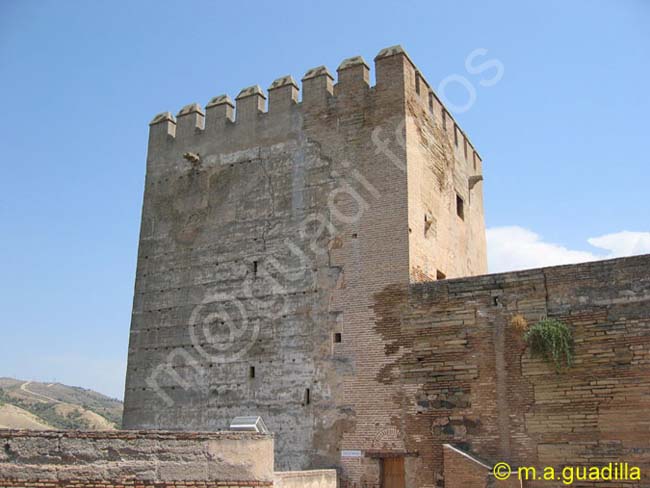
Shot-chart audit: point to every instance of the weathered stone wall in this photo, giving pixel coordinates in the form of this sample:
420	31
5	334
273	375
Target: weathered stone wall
265	239
469	380
108	458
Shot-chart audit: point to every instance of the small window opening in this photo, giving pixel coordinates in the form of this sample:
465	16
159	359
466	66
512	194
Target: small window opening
440	275
307	396
474	157
460	207
465	148
337	337
251	372
456	136
255	268
417	83
431	102
428	222
354	236
444	120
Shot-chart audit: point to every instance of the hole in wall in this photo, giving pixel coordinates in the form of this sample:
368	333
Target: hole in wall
307	399
337	337
460	206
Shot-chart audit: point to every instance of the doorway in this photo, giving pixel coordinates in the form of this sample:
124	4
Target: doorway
392	472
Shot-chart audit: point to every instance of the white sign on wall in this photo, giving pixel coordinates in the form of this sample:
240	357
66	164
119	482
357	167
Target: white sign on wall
350	454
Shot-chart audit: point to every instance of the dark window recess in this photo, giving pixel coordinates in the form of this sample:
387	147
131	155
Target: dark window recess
431	102
417	83
355	235
474	156
307	396
428	222
337	337
440	275
255	268
460	207
465	148
456	136
251	372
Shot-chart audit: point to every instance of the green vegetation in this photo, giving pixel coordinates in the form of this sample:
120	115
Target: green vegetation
552	340
54	413
47	412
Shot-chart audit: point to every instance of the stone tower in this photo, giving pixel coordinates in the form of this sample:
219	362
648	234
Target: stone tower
272	238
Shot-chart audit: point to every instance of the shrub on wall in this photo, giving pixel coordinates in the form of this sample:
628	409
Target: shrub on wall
552	340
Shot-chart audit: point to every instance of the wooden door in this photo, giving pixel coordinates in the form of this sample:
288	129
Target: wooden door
392	472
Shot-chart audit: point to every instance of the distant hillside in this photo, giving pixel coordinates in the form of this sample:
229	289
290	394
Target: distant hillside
42	406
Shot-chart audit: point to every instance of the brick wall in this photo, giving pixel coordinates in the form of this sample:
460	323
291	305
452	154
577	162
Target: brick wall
441	243
469	380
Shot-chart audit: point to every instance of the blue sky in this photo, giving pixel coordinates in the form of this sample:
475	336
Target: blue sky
562	135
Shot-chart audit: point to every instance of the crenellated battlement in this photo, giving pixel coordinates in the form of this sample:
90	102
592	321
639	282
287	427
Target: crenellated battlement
256	114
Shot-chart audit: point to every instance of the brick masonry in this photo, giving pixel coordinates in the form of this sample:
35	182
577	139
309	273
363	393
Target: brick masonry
469	380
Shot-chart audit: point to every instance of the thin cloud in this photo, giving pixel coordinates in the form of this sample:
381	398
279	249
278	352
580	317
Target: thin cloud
512	248
624	243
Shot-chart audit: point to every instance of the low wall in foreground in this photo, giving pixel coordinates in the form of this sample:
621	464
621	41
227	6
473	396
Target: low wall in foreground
319	478
109	459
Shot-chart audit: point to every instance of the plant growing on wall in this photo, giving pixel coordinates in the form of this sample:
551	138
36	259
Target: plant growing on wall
552	340
519	322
